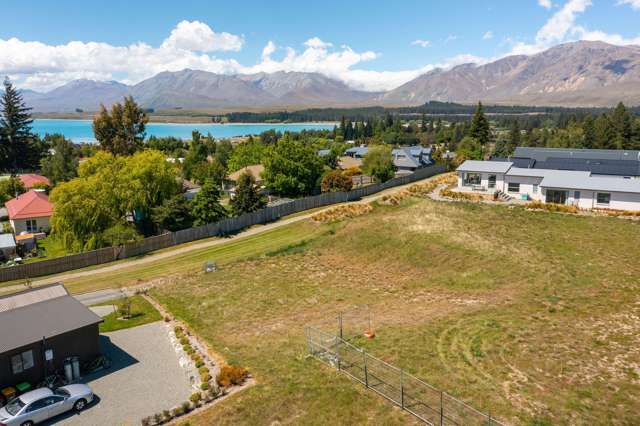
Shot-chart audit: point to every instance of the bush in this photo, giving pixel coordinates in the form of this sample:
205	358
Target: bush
214	392
184	341
167	319
178	411
552	207
460	195
205	378
177	329
199	363
195	397
203	370
205	386
157	418
342	212
336	181
186	407
232	375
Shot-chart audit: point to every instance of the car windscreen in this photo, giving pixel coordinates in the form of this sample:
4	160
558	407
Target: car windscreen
62	392
14	406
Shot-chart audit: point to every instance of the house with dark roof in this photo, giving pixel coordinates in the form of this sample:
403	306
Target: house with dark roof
41	327
30	212
600	162
407	159
582	188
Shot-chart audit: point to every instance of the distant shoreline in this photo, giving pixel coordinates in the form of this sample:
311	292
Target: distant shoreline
187	123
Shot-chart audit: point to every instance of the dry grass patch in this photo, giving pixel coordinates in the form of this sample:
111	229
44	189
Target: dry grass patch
342	212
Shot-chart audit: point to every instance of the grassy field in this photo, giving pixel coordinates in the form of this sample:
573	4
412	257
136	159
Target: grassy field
532	316
142	312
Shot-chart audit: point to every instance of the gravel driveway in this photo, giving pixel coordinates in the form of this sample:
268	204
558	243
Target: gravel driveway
145	379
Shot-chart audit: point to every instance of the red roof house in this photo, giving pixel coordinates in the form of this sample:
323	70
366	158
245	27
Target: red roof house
29	180
30	212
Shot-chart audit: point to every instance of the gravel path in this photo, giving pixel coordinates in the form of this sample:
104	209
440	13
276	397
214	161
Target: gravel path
211	243
145	379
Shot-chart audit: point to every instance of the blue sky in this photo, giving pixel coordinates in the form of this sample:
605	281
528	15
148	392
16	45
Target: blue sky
372	45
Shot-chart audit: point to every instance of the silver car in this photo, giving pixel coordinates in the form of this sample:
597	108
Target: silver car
42	404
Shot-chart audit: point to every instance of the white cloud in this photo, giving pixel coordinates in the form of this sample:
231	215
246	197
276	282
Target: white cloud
316	43
268	50
488	35
450	37
545	3
198	36
635	4
421	43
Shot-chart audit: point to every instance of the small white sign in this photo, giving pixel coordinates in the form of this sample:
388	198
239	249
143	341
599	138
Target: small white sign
48	354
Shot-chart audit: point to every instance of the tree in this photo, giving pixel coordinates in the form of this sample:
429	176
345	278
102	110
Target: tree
247	197
292	168
378	163
622	123
62	162
336	181
108	191
468	149
588	126
480	126
19	148
246	154
11	188
209	170
173	215
206	207
121	131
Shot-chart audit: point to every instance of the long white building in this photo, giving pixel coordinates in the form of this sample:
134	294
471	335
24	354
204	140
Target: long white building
579	188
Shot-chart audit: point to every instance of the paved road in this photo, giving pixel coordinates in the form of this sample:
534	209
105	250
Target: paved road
169	253
99	296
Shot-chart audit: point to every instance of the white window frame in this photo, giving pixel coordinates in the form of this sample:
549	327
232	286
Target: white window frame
513	183
32	225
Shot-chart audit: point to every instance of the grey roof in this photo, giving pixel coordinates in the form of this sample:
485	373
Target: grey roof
576	180
27	319
518	171
525	163
485	166
541	154
323	152
7	241
359	151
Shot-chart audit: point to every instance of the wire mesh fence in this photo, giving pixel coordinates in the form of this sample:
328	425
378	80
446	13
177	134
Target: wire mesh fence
424	401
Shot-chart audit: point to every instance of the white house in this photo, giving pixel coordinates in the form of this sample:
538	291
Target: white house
573	187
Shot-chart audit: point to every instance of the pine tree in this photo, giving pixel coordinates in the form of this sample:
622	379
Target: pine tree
247	197
18	149
588	127
206	207
480	126
423	123
621	122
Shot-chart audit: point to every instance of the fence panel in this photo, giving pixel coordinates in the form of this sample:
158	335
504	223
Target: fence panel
410	393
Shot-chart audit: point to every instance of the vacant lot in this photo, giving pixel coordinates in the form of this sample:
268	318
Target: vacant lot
532	316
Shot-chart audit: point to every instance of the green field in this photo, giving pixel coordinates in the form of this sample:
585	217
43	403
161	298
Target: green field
532	316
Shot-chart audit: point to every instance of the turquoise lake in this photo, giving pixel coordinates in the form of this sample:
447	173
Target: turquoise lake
81	131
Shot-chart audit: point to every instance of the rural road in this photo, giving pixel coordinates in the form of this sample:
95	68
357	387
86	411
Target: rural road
105	295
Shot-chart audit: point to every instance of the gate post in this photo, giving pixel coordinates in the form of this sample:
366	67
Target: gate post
366	372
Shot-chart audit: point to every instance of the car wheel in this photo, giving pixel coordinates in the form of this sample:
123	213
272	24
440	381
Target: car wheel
27	423
79	405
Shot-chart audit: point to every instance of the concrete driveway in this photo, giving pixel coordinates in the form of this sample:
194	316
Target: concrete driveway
145	379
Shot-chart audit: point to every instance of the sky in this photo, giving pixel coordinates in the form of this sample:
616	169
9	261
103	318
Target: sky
371	45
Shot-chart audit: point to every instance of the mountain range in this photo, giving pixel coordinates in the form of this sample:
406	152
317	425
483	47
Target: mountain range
573	74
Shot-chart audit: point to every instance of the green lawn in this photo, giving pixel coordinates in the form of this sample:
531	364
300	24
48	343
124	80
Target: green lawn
142	312
529	315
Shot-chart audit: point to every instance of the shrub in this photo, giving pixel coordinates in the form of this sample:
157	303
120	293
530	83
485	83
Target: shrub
184	341
146	421
232	375
342	212
203	370
552	207
336	181
177	329
205	386
195	397
186	407
214	392
178	411
460	195
167	319
205	377
157	418
199	363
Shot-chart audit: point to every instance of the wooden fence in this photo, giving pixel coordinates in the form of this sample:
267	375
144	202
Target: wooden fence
223	227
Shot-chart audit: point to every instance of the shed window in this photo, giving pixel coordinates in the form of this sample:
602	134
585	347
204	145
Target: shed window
603	198
22	362
514	187
32	225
